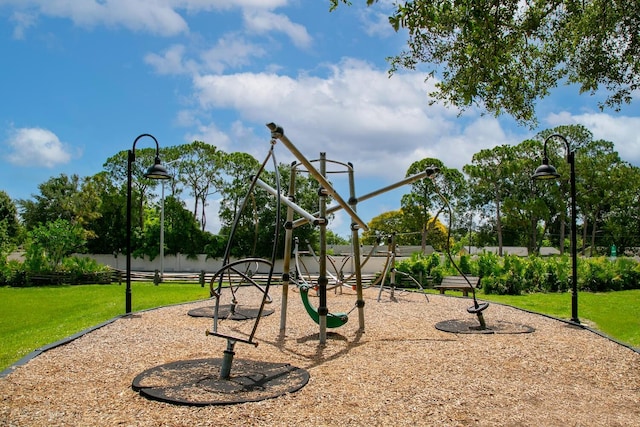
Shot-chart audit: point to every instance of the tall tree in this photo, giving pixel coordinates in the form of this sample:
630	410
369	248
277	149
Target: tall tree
602	181
182	233
63	197
622	222
423	198
504	55
141	187
9	216
489	174
48	244
520	209
238	169
107	227
199	168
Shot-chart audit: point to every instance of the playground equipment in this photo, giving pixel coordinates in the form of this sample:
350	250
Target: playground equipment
238	275
476	308
228	267
339	279
209	381
334	320
319	219
391	272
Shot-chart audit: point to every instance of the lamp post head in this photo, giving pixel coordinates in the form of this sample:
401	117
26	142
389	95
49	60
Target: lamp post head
545	171
157	171
431	171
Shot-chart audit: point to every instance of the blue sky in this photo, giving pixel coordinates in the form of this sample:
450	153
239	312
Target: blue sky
81	79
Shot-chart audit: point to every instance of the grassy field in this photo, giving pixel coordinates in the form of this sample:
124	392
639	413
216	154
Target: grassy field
617	314
33	317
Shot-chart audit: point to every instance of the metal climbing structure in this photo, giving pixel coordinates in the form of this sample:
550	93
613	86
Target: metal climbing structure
320	219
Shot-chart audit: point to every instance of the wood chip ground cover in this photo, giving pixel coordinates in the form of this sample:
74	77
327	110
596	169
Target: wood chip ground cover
401	371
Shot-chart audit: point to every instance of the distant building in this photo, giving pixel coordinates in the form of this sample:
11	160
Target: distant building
507	250
548	251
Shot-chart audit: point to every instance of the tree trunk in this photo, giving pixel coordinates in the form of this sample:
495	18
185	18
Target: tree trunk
593	237
499	227
562	232
584	235
533	237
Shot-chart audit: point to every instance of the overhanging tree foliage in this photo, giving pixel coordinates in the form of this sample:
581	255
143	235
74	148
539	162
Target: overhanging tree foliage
503	55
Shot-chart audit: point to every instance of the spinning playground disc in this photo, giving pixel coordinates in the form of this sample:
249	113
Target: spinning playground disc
198	383
225	312
470	326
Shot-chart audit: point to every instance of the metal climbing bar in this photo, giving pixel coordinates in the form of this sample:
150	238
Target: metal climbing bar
278	133
331	209
310	218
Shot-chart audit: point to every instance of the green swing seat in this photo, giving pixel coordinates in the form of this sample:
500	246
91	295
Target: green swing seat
334	320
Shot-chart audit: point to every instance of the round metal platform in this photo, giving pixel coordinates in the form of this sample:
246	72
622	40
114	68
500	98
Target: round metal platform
471	326
198	383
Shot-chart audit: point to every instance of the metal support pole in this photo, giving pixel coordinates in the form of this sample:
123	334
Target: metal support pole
355	246
331	209
546	171
162	234
227	360
287	201
322	279
286	265
392	274
127	293
574	243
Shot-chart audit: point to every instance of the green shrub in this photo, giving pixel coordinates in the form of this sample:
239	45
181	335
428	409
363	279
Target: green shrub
628	273
84	270
420	267
488	264
465	264
533	274
71	271
12	274
513	275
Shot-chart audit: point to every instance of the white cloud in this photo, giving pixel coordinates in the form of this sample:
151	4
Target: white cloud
211	135
621	130
171	61
231	50
159	17
376	21
36	147
146	15
356	114
23	21
261	21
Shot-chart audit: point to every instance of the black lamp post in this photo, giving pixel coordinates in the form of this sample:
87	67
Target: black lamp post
157	171
546	171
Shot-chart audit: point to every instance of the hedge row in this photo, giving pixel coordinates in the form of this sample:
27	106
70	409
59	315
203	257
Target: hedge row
514	275
72	271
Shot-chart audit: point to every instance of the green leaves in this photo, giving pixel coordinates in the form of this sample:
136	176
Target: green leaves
503	56
48	244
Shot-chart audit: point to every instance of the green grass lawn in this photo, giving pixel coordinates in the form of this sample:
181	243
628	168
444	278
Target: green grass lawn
34	317
617	314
